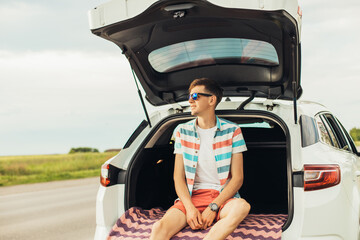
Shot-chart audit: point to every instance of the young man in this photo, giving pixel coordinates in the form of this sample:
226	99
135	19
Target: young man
208	170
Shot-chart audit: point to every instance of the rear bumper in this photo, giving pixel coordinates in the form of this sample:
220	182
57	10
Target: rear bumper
109	207
101	233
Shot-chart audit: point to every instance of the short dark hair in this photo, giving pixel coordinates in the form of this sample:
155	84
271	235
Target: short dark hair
210	85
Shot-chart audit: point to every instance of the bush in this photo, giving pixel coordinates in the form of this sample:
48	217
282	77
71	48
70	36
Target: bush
355	134
83	149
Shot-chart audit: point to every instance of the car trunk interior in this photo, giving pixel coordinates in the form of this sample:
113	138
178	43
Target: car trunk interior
265	187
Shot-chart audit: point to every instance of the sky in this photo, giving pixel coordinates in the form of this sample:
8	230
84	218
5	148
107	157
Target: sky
63	87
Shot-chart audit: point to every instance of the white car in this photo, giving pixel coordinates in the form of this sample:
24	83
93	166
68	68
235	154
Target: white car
300	160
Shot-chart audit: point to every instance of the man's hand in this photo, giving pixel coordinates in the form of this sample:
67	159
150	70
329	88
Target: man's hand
193	218
208	217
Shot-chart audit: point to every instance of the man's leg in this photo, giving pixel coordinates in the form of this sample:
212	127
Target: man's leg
230	217
171	223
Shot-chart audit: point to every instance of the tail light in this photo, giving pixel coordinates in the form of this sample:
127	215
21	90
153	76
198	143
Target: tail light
104	175
321	176
111	175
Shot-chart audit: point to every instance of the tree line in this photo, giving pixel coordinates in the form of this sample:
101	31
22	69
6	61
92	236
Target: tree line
83	149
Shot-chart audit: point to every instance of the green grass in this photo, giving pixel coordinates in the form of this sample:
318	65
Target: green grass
357	143
16	170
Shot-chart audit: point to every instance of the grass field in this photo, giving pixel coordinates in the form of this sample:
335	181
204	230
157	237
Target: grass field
16	170
43	168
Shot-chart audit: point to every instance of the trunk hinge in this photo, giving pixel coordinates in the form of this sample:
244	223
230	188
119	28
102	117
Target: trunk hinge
243	104
294	76
269	104
177	107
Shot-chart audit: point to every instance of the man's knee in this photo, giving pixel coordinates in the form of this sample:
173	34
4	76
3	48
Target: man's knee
245	205
241	205
239	210
158	227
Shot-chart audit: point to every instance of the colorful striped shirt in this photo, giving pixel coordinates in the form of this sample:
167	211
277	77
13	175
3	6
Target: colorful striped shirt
228	139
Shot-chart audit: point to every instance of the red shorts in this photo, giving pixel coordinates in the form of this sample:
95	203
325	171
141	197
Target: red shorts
201	199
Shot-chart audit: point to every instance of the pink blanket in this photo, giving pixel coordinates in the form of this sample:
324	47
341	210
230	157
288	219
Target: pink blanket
136	223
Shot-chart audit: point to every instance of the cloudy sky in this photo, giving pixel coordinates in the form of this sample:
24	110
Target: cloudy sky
63	87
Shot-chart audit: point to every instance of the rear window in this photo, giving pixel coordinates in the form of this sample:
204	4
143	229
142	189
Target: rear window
213	51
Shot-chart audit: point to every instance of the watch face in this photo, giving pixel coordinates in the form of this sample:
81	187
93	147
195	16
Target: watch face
213	207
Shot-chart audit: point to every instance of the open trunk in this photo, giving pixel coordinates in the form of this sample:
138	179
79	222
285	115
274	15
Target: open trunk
266	165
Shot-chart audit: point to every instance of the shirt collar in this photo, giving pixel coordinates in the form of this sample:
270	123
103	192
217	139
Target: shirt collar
218	124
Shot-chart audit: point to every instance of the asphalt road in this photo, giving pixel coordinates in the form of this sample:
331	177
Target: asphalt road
55	210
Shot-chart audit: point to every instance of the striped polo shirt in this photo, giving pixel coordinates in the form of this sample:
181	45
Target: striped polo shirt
228	139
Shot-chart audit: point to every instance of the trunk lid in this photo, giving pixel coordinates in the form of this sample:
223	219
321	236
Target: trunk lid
173	42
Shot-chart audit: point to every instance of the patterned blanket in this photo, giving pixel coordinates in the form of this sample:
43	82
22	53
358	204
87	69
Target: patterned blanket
136	223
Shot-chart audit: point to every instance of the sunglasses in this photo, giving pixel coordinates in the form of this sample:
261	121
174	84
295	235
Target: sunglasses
195	96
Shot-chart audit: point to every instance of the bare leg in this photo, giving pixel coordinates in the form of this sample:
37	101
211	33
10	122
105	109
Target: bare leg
230	217
173	221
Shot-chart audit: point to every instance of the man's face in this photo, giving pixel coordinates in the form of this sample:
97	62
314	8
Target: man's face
203	104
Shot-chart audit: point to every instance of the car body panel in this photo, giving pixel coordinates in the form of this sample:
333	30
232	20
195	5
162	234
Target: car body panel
331	213
334	210
107	202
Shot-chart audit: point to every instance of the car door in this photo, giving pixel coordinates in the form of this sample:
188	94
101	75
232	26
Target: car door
355	159
349	161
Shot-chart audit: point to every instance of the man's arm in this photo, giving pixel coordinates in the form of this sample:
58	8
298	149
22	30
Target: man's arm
235	183
193	215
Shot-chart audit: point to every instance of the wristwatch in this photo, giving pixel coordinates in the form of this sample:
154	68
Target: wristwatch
214	207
